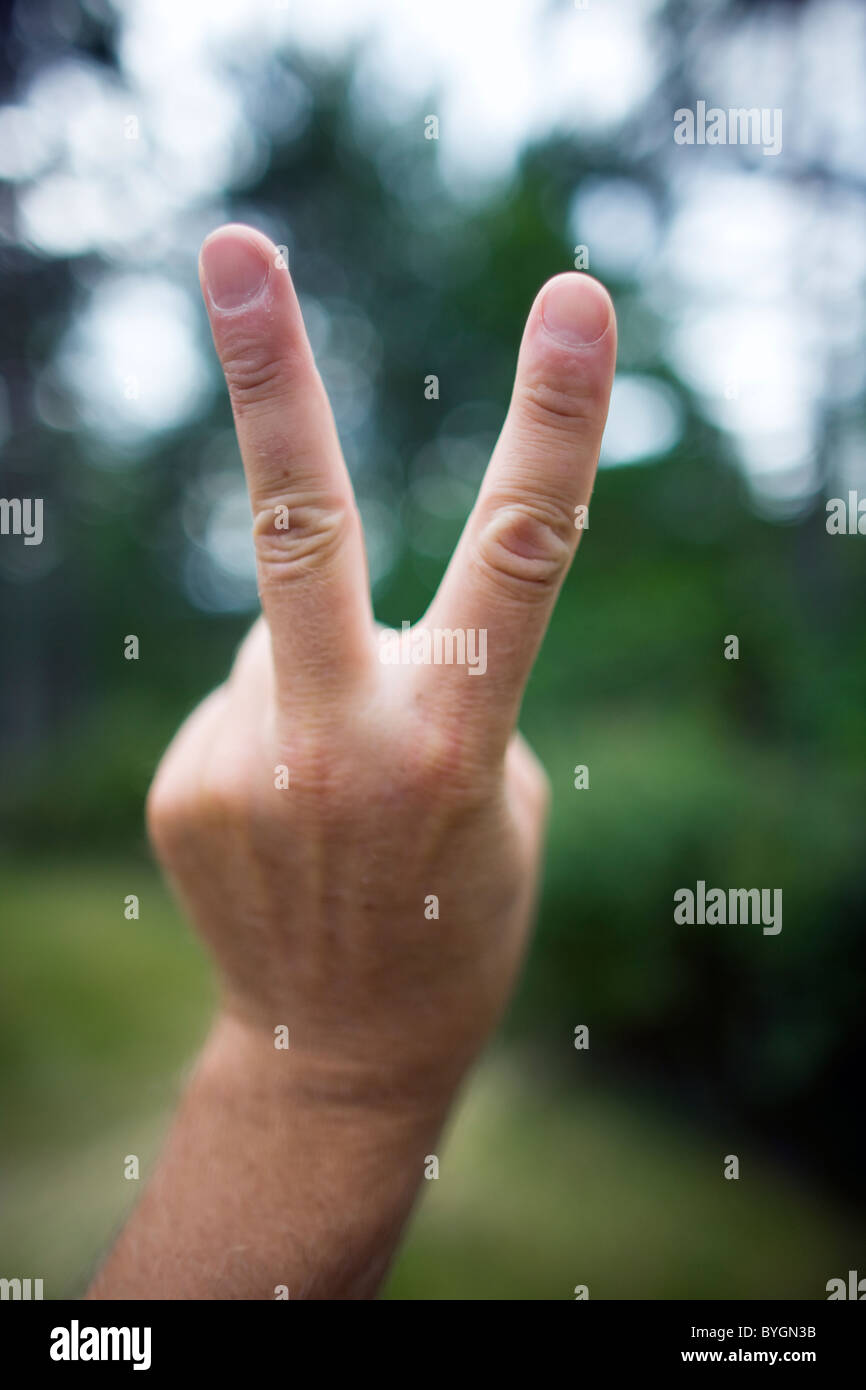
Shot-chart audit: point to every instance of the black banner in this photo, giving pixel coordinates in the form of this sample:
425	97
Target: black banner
83	1339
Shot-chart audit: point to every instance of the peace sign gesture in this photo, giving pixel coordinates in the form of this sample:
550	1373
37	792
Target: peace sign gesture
518	543
350	820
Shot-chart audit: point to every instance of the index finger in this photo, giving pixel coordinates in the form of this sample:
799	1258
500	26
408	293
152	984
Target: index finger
309	546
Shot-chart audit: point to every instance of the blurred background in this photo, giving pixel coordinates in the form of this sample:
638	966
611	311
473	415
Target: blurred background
128	130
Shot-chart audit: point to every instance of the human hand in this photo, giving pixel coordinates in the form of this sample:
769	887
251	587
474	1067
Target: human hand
356	840
378	905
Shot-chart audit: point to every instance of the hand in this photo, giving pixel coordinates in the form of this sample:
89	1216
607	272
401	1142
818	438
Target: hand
357	840
375	898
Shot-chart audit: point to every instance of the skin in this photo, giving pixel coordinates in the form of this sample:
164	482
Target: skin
296	1168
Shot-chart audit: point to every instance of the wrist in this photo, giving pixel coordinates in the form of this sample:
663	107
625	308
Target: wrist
349	1073
246	1058
344	1161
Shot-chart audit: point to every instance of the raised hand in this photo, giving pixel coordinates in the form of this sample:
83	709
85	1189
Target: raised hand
352	824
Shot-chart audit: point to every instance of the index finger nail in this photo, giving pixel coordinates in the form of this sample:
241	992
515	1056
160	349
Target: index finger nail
235	270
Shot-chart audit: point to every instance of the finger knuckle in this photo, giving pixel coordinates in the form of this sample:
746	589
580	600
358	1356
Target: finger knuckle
224	800
317	774
191	806
252	376
527	544
440	767
170	812
560	405
294	536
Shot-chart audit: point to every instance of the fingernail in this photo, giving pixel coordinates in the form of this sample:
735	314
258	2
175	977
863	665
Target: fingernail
235	270
575	310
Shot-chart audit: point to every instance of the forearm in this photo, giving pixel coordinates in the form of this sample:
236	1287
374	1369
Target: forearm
266	1184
